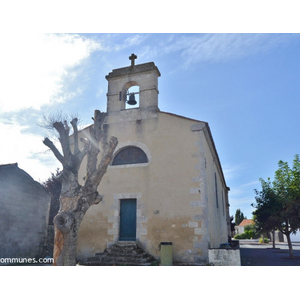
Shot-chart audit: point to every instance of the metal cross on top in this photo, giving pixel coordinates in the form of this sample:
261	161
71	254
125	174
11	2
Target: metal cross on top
132	58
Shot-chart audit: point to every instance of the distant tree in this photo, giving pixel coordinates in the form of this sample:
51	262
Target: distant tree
239	217
268	210
287	188
75	199
53	186
278	203
232	224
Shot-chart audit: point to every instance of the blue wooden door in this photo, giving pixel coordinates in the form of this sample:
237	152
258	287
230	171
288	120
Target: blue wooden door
128	220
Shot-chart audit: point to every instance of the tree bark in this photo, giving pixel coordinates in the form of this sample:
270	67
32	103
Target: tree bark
288	237
65	239
287	232
75	199
66	224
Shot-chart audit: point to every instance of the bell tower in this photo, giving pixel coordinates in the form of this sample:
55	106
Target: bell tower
144	76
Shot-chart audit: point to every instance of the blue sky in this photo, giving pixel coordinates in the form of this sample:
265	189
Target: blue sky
246	86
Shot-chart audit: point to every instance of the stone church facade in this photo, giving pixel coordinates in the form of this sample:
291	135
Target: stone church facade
165	183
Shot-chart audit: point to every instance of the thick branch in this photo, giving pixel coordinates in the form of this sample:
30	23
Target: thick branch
98	121
94	178
67	128
63	138
95	136
52	147
107	157
75	129
86	147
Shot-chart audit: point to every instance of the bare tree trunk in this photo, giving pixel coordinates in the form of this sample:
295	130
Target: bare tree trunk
66	224
65	240
75	199
273	237
288	236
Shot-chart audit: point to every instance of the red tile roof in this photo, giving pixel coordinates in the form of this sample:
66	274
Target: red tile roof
246	222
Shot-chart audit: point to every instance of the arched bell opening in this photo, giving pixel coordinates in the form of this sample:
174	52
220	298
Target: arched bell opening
131	95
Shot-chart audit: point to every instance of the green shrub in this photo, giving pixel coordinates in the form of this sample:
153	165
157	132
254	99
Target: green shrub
237	237
249	234
240	236
265	241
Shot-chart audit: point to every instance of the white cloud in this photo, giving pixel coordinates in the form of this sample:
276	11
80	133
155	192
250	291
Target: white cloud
27	150
249	184
197	48
242	196
232	171
33	68
118	42
135	40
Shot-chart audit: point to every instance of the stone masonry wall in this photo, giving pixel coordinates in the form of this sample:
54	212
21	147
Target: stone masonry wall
224	257
24	214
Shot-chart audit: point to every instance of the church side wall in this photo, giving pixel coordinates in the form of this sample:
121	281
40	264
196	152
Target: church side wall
217	206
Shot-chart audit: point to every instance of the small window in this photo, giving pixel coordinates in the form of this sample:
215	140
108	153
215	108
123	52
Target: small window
130	155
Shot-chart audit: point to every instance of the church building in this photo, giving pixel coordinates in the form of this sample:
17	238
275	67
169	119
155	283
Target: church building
165	182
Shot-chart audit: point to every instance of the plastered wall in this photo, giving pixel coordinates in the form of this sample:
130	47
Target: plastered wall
175	190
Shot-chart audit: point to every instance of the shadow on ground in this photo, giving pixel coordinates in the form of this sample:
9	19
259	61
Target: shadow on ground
268	257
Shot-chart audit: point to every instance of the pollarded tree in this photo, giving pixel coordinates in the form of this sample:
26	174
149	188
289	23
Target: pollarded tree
75	199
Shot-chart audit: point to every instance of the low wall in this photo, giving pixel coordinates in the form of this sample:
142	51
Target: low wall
224	257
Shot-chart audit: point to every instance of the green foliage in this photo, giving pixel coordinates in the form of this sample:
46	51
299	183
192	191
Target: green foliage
238	237
252	231
278	203
267	208
264	241
249	227
248	234
239	217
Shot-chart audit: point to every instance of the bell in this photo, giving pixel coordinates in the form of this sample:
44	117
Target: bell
131	100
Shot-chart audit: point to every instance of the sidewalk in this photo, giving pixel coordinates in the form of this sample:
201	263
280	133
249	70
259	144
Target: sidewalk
255	254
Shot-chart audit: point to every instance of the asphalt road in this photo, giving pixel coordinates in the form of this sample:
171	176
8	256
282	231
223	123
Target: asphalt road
255	254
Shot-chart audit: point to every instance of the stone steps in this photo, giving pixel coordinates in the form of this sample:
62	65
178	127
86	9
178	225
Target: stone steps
121	254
